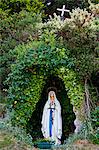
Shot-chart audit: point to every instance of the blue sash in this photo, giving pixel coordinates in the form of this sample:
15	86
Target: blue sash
50	122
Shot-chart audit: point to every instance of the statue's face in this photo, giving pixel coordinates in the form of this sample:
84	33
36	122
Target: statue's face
52	98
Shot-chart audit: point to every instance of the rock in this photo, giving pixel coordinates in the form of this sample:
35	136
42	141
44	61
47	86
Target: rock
82	142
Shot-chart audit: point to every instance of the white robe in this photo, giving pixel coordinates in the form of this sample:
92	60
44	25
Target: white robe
57	121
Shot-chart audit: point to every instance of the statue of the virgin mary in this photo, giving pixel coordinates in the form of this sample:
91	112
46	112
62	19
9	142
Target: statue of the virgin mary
51	119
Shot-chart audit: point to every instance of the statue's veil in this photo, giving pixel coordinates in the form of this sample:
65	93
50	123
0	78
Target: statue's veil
51	93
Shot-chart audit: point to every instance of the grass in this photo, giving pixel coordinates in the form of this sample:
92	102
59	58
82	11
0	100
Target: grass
5	139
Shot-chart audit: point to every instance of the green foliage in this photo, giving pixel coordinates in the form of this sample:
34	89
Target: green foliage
34	6
75	34
73	3
84	134
95	117
81	139
16	29
73	137
25	99
67	49
72	85
94	138
13	134
33	64
84	137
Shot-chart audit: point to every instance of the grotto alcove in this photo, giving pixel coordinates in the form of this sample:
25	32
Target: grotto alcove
68	116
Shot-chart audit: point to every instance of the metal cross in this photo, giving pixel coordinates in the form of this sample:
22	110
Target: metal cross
63	10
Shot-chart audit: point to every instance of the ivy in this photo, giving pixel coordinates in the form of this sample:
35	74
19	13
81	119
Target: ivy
25	104
34	63
72	85
17	5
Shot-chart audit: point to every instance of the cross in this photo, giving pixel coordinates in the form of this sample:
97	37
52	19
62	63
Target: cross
63	10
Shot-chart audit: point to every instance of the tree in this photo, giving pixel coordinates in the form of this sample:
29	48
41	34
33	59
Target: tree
16	29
